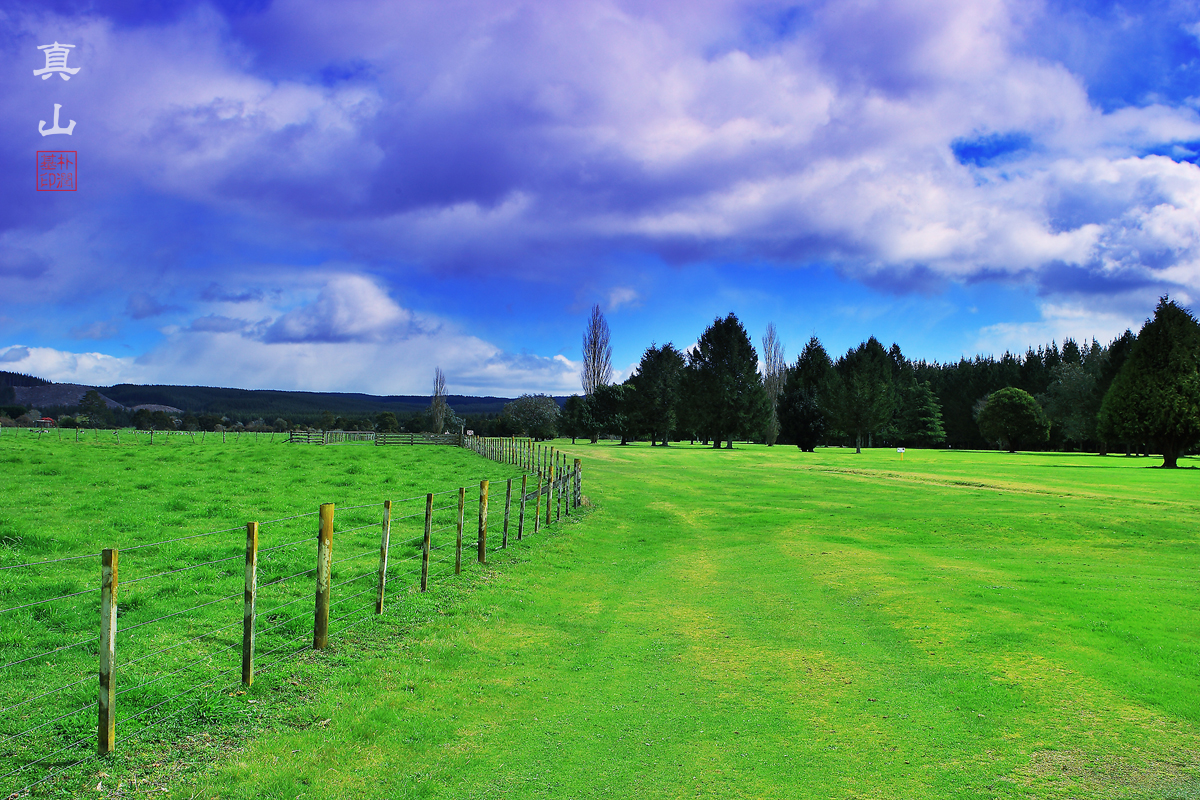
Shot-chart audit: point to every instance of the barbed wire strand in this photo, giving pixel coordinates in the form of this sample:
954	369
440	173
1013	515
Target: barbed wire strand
354	611
262	550
51	652
353	580
288	578
50	561
357	528
129	628
50	775
284	605
179	539
289	621
205	657
351	558
180	644
282	647
189	690
24	767
48	600
8	739
88	679
287	519
349	598
182	569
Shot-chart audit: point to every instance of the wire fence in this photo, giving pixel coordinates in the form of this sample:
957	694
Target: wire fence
137	436
190	618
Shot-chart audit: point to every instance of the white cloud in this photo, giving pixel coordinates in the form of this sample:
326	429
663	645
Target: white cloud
350	308
352	337
1059	321
622	296
93	369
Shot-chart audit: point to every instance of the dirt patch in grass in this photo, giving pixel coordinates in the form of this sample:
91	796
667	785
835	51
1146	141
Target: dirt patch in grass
1113	775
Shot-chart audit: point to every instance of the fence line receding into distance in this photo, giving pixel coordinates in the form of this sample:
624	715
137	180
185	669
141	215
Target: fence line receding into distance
136	682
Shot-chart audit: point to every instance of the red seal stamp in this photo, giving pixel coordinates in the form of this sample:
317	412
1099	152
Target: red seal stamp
56	171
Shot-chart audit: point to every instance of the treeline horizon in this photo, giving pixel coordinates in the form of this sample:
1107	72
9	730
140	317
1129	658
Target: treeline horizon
1074	394
1139	392
869	396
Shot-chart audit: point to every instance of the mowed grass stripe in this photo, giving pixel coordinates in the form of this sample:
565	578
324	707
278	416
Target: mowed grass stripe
759	623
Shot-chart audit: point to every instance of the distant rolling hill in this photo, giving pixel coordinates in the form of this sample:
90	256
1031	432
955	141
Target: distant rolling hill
240	403
270	403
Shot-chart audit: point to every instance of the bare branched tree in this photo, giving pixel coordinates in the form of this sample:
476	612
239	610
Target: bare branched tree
438	406
775	368
597	353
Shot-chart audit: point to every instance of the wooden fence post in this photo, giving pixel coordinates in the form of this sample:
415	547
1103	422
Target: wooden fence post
521	511
537	505
425	546
384	539
507	509
462	503
483	510
549	492
578	482
249	602
107	730
324	565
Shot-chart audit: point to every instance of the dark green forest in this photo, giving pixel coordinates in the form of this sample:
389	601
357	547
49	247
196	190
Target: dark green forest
1138	394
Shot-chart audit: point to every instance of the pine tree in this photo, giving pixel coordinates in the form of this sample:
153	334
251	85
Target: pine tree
866	398
802	418
658	381
729	392
922	416
1156	396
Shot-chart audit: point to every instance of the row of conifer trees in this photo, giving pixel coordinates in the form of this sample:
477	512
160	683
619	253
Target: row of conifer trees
1138	393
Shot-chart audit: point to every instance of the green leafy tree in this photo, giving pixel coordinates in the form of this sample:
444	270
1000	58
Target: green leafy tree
865	397
802	419
616	407
96	409
386	422
571	419
533	415
658	384
921	418
209	422
729	391
1011	417
1070	400
1156	396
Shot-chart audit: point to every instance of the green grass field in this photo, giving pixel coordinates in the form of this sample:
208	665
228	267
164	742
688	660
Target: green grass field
754	623
180	604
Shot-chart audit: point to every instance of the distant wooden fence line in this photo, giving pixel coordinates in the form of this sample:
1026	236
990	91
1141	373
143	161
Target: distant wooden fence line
547	475
100	434
340	437
550	465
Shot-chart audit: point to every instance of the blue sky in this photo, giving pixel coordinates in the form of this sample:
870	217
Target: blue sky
344	196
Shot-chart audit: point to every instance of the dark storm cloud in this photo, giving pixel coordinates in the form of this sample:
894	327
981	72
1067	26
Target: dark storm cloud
141	305
907	145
